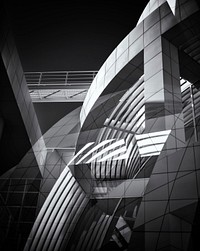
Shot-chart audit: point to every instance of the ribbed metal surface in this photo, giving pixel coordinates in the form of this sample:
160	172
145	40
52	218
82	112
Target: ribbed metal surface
59	214
126	120
192	48
191	102
91	230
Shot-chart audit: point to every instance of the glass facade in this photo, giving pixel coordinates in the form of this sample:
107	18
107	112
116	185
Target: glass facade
122	171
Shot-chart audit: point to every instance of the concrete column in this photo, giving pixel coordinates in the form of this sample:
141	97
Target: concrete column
163	102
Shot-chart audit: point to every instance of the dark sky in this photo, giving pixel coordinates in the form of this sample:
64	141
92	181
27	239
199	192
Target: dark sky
70	35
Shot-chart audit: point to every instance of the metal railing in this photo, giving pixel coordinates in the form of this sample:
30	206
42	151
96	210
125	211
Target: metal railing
59	78
59	86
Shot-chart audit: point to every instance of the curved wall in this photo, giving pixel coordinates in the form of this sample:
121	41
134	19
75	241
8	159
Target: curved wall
149	115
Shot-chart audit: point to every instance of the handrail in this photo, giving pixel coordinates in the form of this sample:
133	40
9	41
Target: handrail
59	78
59	86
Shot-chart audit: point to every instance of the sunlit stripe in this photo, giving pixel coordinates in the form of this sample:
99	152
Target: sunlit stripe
123	156
151	149
94	149
82	150
185	86
126	155
159	140
151	144
140	124
153	140
130	147
110	147
150	154
110	155
152	134
137	115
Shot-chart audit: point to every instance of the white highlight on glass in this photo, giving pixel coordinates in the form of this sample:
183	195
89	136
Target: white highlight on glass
152	140
94	149
151	143
114	153
184	84
152	134
151	149
82	150
123	156
126	155
108	148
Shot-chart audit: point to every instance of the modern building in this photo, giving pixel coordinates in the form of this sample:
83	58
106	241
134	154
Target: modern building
121	171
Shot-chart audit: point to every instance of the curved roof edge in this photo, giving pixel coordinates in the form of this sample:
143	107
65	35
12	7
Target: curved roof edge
128	49
151	6
113	64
